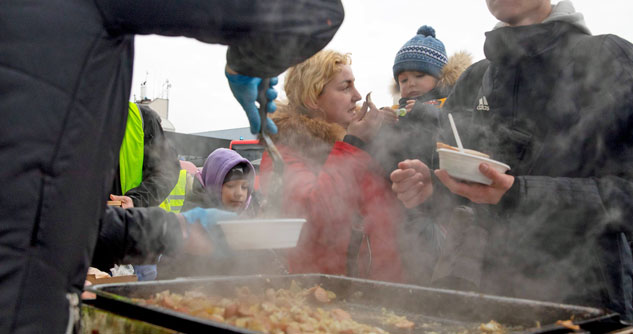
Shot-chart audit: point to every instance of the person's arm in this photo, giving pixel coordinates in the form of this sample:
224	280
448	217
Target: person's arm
136	236
264	37
160	164
140	235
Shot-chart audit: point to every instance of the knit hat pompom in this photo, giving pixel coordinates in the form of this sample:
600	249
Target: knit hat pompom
426	31
422	53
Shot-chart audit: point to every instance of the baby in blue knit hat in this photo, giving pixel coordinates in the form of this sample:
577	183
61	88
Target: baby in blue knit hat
424	76
418	65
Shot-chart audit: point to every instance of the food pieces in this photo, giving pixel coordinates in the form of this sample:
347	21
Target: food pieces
568	324
283	311
399	322
492	327
471	152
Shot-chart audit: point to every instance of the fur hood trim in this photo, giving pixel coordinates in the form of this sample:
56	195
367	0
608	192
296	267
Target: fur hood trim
310	137
455	66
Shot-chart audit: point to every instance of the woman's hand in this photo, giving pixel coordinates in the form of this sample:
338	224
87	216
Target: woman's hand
479	193
366	122
390	116
412	182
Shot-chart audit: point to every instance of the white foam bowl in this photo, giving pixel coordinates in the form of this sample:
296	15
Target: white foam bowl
465	166
262	233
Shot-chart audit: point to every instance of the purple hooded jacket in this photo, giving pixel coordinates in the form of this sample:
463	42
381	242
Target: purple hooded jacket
215	168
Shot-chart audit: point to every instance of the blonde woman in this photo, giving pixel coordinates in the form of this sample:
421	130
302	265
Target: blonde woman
329	178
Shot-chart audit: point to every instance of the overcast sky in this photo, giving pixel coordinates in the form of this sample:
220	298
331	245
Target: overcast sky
373	31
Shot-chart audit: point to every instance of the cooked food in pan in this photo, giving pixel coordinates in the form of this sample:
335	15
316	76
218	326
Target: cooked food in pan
289	311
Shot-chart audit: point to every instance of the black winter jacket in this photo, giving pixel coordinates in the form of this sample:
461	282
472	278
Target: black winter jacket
556	105
65	76
160	164
136	236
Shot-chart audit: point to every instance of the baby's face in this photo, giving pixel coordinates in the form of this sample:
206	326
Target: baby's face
414	83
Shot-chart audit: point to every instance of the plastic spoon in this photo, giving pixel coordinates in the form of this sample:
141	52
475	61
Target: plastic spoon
455	133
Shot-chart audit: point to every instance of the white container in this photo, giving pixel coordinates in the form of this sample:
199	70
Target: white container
262	233
465	166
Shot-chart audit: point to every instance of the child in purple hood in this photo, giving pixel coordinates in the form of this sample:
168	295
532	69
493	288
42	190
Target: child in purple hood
225	182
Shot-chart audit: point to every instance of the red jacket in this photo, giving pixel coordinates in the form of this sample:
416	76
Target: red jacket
334	184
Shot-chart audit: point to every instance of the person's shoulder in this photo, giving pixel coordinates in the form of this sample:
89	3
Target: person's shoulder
607	52
473	74
607	43
618	45
148	113
478	68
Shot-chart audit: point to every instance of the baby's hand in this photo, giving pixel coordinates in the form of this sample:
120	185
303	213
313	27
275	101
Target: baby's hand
409	106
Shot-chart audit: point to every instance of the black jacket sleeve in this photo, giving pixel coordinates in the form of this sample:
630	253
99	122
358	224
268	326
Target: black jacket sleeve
264	37
136	236
160	163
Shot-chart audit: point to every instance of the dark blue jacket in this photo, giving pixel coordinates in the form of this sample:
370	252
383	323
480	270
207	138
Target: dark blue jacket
65	76
556	105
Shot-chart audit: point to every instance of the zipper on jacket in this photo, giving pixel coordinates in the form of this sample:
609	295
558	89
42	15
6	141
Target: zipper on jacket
515	96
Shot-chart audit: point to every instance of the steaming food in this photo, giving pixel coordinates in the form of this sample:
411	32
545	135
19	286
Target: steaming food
282	311
473	152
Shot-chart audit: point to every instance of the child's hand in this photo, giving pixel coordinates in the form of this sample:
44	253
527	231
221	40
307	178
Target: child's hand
409	106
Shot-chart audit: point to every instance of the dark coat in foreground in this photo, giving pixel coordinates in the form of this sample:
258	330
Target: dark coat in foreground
65	76
556	104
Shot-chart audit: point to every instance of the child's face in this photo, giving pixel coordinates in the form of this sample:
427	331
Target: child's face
234	194
414	83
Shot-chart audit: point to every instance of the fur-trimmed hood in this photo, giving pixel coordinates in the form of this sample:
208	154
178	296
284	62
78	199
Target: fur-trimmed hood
456	65
311	137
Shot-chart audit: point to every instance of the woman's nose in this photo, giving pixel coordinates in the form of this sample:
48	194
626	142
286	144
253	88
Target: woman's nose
356	97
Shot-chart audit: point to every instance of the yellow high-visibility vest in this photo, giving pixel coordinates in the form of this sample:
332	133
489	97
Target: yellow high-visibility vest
131	153
176	198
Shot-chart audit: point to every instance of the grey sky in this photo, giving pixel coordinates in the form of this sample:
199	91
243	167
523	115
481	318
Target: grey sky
372	32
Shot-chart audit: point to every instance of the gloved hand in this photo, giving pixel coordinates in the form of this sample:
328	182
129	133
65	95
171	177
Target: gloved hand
207	217
245	90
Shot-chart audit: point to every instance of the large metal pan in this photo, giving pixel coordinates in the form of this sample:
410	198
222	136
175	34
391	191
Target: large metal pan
446	310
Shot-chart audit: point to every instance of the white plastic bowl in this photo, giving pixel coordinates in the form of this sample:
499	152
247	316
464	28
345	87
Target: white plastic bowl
262	233
465	166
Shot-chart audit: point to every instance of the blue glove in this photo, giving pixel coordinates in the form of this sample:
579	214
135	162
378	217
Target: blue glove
207	217
245	90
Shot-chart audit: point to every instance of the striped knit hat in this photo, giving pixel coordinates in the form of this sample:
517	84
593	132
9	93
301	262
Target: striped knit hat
423	53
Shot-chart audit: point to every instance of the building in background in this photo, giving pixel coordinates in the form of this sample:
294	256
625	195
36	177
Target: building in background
230	134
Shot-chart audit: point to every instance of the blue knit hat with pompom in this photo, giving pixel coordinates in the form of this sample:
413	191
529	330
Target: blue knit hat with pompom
423	53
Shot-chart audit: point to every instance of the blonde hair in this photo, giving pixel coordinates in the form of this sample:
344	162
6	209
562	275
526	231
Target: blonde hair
304	82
